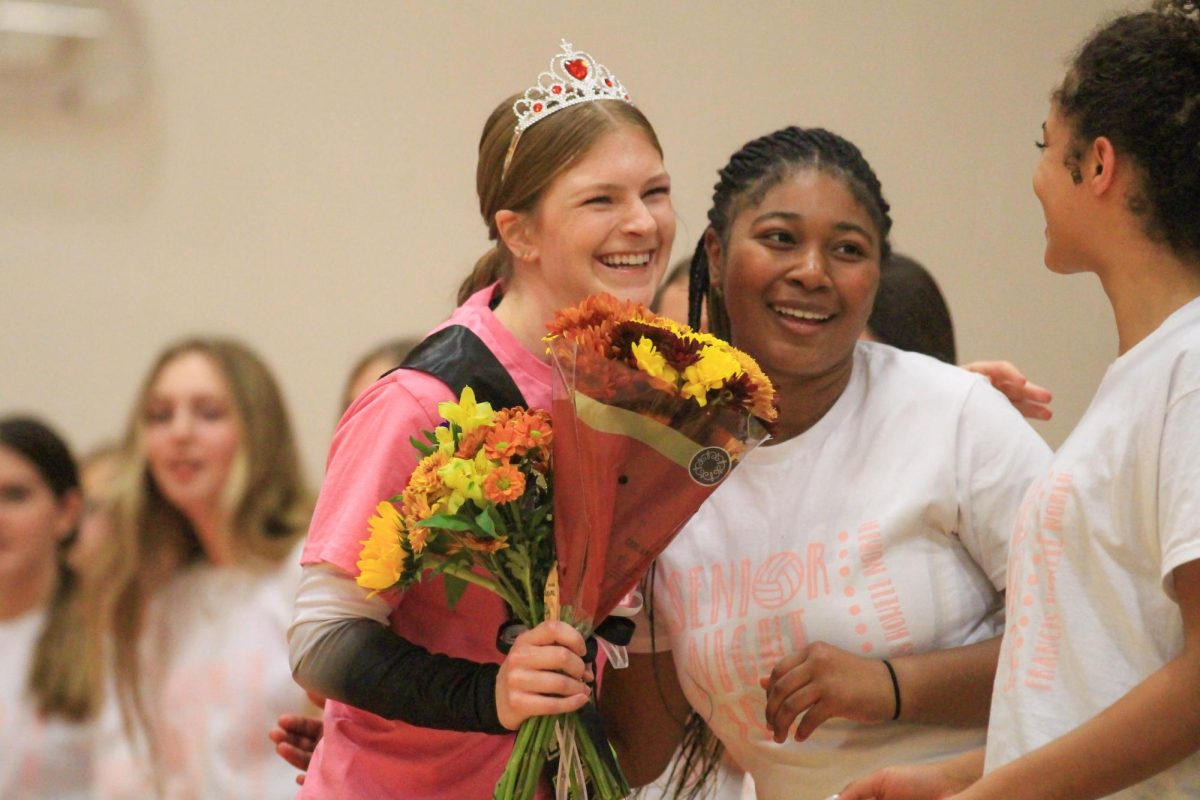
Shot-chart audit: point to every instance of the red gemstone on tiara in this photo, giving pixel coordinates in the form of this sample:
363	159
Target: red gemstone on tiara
556	89
537	107
608	82
577	68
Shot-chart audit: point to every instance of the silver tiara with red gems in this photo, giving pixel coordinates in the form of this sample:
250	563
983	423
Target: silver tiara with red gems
574	78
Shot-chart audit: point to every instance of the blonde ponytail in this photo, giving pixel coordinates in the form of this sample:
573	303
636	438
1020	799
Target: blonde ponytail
65	673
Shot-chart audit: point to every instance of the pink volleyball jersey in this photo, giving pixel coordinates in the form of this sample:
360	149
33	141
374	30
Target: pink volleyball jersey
363	755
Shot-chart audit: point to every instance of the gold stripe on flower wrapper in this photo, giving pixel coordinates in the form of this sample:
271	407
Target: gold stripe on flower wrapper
668	442
550	596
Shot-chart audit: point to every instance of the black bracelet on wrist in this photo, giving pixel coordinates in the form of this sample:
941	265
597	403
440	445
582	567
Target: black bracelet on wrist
895	687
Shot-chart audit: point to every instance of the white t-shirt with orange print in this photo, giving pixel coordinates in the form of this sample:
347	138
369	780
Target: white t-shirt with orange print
1090	612
216	678
882	530
40	758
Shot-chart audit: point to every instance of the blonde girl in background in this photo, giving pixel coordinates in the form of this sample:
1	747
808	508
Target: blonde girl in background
195	581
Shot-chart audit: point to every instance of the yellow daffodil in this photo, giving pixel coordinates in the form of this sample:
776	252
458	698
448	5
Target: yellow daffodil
715	367
652	362
464	478
466	413
445	440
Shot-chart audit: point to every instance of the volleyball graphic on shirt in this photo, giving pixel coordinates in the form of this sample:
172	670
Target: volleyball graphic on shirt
778	580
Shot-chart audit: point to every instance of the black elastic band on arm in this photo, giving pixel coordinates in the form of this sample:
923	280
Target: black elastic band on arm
895	687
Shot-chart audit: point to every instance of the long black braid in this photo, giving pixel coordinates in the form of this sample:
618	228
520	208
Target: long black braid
756	169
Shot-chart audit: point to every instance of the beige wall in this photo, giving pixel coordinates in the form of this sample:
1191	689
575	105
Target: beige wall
301	174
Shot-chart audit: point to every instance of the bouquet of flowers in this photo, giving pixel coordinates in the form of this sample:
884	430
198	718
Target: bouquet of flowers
650	417
561	513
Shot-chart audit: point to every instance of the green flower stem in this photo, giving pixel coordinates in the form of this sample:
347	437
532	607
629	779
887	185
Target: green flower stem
470	576
511	593
525	766
507	785
607	786
532	760
535	613
516	515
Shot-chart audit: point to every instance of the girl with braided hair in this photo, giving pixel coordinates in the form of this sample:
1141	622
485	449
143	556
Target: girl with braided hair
1098	688
843	586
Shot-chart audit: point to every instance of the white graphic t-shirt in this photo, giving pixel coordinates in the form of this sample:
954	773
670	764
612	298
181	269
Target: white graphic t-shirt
40	758
217	678
1090	613
882	530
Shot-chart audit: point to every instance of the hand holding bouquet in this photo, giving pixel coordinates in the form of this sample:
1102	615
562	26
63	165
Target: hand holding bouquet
561	520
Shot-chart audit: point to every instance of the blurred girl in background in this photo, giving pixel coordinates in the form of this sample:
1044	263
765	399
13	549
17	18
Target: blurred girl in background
197	577
47	692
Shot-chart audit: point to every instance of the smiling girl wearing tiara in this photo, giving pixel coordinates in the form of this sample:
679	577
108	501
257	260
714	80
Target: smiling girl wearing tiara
422	704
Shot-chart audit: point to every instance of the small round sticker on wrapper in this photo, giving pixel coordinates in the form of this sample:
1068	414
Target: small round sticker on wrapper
709	466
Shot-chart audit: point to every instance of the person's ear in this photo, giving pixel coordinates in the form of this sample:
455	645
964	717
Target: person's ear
516	231
1102	162
70	508
712	249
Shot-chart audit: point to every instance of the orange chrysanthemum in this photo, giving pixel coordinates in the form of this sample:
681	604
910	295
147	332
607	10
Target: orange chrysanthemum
418	537
505	414
425	478
414	506
591	325
503	443
597	311
535	427
504	484
470	443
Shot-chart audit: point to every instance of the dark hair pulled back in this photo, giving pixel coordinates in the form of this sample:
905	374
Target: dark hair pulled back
754	170
44	449
61	680
1136	81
